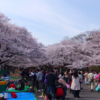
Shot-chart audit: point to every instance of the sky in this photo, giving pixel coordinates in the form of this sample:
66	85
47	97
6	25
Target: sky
50	21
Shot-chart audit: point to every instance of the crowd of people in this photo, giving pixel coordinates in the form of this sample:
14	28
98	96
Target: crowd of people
58	83
50	81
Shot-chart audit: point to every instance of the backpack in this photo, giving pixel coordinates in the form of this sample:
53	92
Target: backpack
60	91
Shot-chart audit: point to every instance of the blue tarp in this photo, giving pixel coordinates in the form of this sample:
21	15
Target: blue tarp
22	96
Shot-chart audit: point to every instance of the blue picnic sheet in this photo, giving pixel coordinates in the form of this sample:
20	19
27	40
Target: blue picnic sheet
22	96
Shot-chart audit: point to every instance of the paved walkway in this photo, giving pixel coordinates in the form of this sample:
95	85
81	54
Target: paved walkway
85	94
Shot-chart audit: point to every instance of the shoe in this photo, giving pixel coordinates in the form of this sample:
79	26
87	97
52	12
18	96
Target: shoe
78	97
91	90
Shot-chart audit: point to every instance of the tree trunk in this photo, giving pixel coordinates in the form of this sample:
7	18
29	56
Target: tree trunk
60	69
4	62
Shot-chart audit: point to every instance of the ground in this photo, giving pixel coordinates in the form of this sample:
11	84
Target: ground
85	94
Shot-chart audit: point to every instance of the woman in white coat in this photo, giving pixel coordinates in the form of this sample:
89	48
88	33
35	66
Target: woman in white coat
75	86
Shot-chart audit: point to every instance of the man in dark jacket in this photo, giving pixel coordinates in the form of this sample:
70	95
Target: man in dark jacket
51	78
23	76
34	79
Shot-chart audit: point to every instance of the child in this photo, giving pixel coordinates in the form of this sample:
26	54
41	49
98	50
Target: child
48	97
22	85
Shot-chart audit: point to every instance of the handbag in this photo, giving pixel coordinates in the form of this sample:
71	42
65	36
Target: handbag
97	88
68	86
60	91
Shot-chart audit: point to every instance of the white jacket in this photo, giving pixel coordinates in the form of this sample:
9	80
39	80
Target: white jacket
75	83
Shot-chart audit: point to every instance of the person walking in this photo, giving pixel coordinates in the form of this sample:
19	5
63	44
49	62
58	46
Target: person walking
81	79
37	83
66	76
51	78
23	75
75	87
91	80
86	77
40	80
64	86
45	82
27	75
31	74
34	77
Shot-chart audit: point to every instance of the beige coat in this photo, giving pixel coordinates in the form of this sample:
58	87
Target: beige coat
90	76
86	75
75	83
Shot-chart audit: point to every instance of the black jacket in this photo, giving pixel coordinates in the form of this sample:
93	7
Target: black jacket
23	73
51	78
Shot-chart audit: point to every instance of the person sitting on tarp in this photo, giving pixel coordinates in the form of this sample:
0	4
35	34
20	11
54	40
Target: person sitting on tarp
5	74
22	85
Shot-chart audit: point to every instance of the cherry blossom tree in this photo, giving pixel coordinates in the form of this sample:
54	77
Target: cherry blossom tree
19	48
16	42
82	50
92	47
